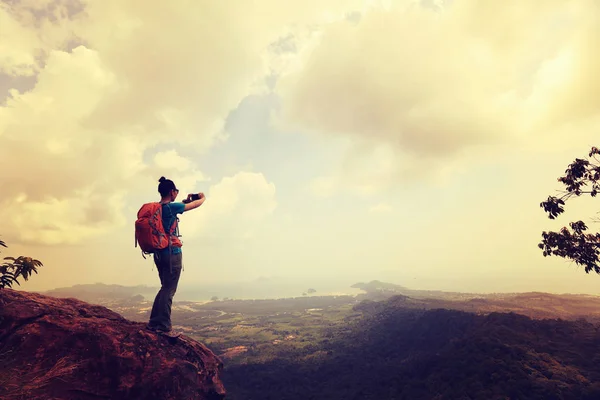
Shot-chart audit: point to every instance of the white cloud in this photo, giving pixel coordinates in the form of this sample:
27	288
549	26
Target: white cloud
163	75
183	77
68	220
434	84
146	74
51	156
30	30
371	168
171	159
234	208
381	208
17	46
324	186
182	170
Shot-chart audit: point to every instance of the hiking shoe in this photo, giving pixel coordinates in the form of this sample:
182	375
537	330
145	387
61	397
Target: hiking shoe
171	333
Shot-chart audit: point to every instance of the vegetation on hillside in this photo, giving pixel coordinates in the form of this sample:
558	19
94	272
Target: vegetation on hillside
399	353
14	268
582	176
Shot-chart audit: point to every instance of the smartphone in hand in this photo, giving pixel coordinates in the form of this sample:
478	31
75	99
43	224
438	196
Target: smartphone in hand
191	197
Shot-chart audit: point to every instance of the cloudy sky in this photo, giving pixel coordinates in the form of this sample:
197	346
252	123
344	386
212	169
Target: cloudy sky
404	141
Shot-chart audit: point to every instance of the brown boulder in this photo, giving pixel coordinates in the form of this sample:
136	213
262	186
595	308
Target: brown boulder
54	349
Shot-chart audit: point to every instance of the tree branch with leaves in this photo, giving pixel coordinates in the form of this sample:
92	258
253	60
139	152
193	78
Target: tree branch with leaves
581	177
14	268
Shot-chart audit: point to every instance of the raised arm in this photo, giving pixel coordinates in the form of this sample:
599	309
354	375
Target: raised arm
191	204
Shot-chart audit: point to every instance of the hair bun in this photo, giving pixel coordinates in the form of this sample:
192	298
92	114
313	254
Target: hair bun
162	179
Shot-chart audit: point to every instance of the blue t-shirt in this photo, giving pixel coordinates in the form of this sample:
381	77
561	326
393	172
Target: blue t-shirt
169	213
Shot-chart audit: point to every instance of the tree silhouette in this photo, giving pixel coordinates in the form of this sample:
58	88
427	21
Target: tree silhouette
14	268
582	176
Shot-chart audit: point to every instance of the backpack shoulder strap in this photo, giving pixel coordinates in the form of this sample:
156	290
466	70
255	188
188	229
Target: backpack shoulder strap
170	219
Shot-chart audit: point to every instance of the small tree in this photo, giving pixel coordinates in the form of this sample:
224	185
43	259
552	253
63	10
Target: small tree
581	177
14	268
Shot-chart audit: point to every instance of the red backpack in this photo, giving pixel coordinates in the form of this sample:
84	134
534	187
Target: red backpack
149	230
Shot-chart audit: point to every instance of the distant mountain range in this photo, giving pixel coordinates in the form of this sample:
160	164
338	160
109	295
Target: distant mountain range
532	304
102	293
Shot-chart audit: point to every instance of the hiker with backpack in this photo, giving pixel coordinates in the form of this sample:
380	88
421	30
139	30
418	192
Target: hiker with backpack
157	233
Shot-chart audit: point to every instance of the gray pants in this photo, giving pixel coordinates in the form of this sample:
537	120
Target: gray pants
160	317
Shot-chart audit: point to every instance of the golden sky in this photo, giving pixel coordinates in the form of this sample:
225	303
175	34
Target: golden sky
405	141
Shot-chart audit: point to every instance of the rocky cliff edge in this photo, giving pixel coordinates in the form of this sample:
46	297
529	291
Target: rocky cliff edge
53	349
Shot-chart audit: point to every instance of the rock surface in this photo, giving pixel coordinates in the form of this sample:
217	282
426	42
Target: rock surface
63	349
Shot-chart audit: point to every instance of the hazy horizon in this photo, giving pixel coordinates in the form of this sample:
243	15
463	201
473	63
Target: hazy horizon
276	288
409	142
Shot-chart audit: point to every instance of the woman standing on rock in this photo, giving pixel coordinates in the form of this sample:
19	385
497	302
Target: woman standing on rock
169	260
